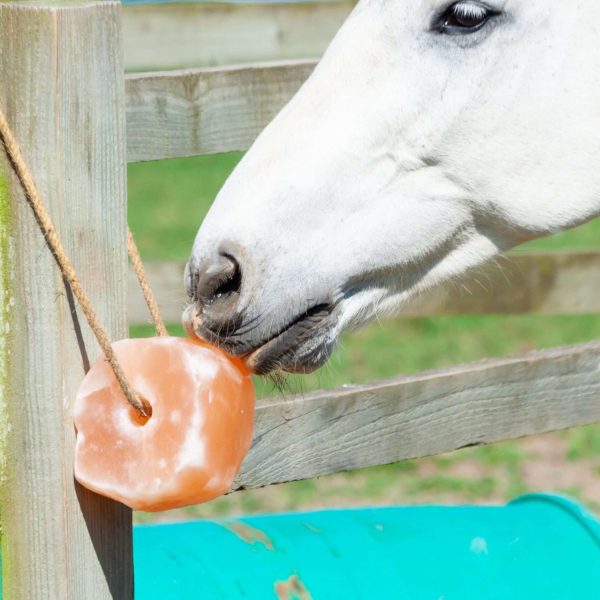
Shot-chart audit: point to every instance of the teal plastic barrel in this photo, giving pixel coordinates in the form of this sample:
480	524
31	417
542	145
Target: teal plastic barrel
537	547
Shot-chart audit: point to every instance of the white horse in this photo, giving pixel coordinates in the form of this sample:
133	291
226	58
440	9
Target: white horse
432	136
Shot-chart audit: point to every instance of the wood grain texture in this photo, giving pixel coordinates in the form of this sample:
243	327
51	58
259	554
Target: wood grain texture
206	111
429	413
160	37
62	89
559	283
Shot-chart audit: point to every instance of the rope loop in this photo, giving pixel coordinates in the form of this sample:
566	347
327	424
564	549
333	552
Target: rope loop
52	238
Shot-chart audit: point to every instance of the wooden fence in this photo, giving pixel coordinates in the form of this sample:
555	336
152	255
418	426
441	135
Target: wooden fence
552	283
206	35
78	121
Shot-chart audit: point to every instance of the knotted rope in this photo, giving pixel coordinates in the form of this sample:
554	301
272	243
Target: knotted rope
68	271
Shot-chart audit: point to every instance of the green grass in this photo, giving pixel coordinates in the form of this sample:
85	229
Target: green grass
585	237
167	202
584	443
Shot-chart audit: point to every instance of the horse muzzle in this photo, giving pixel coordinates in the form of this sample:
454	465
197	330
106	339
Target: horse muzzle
301	346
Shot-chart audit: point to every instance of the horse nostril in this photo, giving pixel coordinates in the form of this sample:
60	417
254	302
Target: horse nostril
216	288
220	282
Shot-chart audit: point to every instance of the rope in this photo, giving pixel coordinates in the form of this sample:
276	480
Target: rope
138	267
48	230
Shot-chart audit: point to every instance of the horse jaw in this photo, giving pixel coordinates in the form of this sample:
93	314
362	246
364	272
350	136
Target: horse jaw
408	158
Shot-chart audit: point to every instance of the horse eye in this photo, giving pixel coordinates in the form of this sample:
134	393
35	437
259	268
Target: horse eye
464	17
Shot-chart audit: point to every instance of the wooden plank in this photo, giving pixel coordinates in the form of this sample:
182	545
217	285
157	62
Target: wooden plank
206	111
161	37
166	280
560	283
430	413
63	94
555	283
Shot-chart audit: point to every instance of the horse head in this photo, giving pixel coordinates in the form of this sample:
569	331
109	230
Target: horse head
432	136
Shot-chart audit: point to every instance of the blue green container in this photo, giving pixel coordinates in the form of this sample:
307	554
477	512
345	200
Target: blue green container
537	547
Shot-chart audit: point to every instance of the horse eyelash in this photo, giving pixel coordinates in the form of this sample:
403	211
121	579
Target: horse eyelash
464	9
468	9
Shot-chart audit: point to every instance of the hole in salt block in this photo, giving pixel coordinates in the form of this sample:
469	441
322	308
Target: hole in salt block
137	417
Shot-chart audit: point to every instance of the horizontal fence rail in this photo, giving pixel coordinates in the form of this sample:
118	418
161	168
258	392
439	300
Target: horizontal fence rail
429	413
560	283
206	111
200	35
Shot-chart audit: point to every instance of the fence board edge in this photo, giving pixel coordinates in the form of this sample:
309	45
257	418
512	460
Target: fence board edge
421	415
193	112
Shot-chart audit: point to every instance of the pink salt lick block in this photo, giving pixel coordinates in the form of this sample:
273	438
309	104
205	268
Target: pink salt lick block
191	447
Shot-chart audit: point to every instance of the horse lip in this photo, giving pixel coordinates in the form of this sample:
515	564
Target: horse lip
273	352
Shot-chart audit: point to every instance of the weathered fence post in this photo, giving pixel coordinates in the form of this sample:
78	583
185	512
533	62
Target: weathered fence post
61	86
